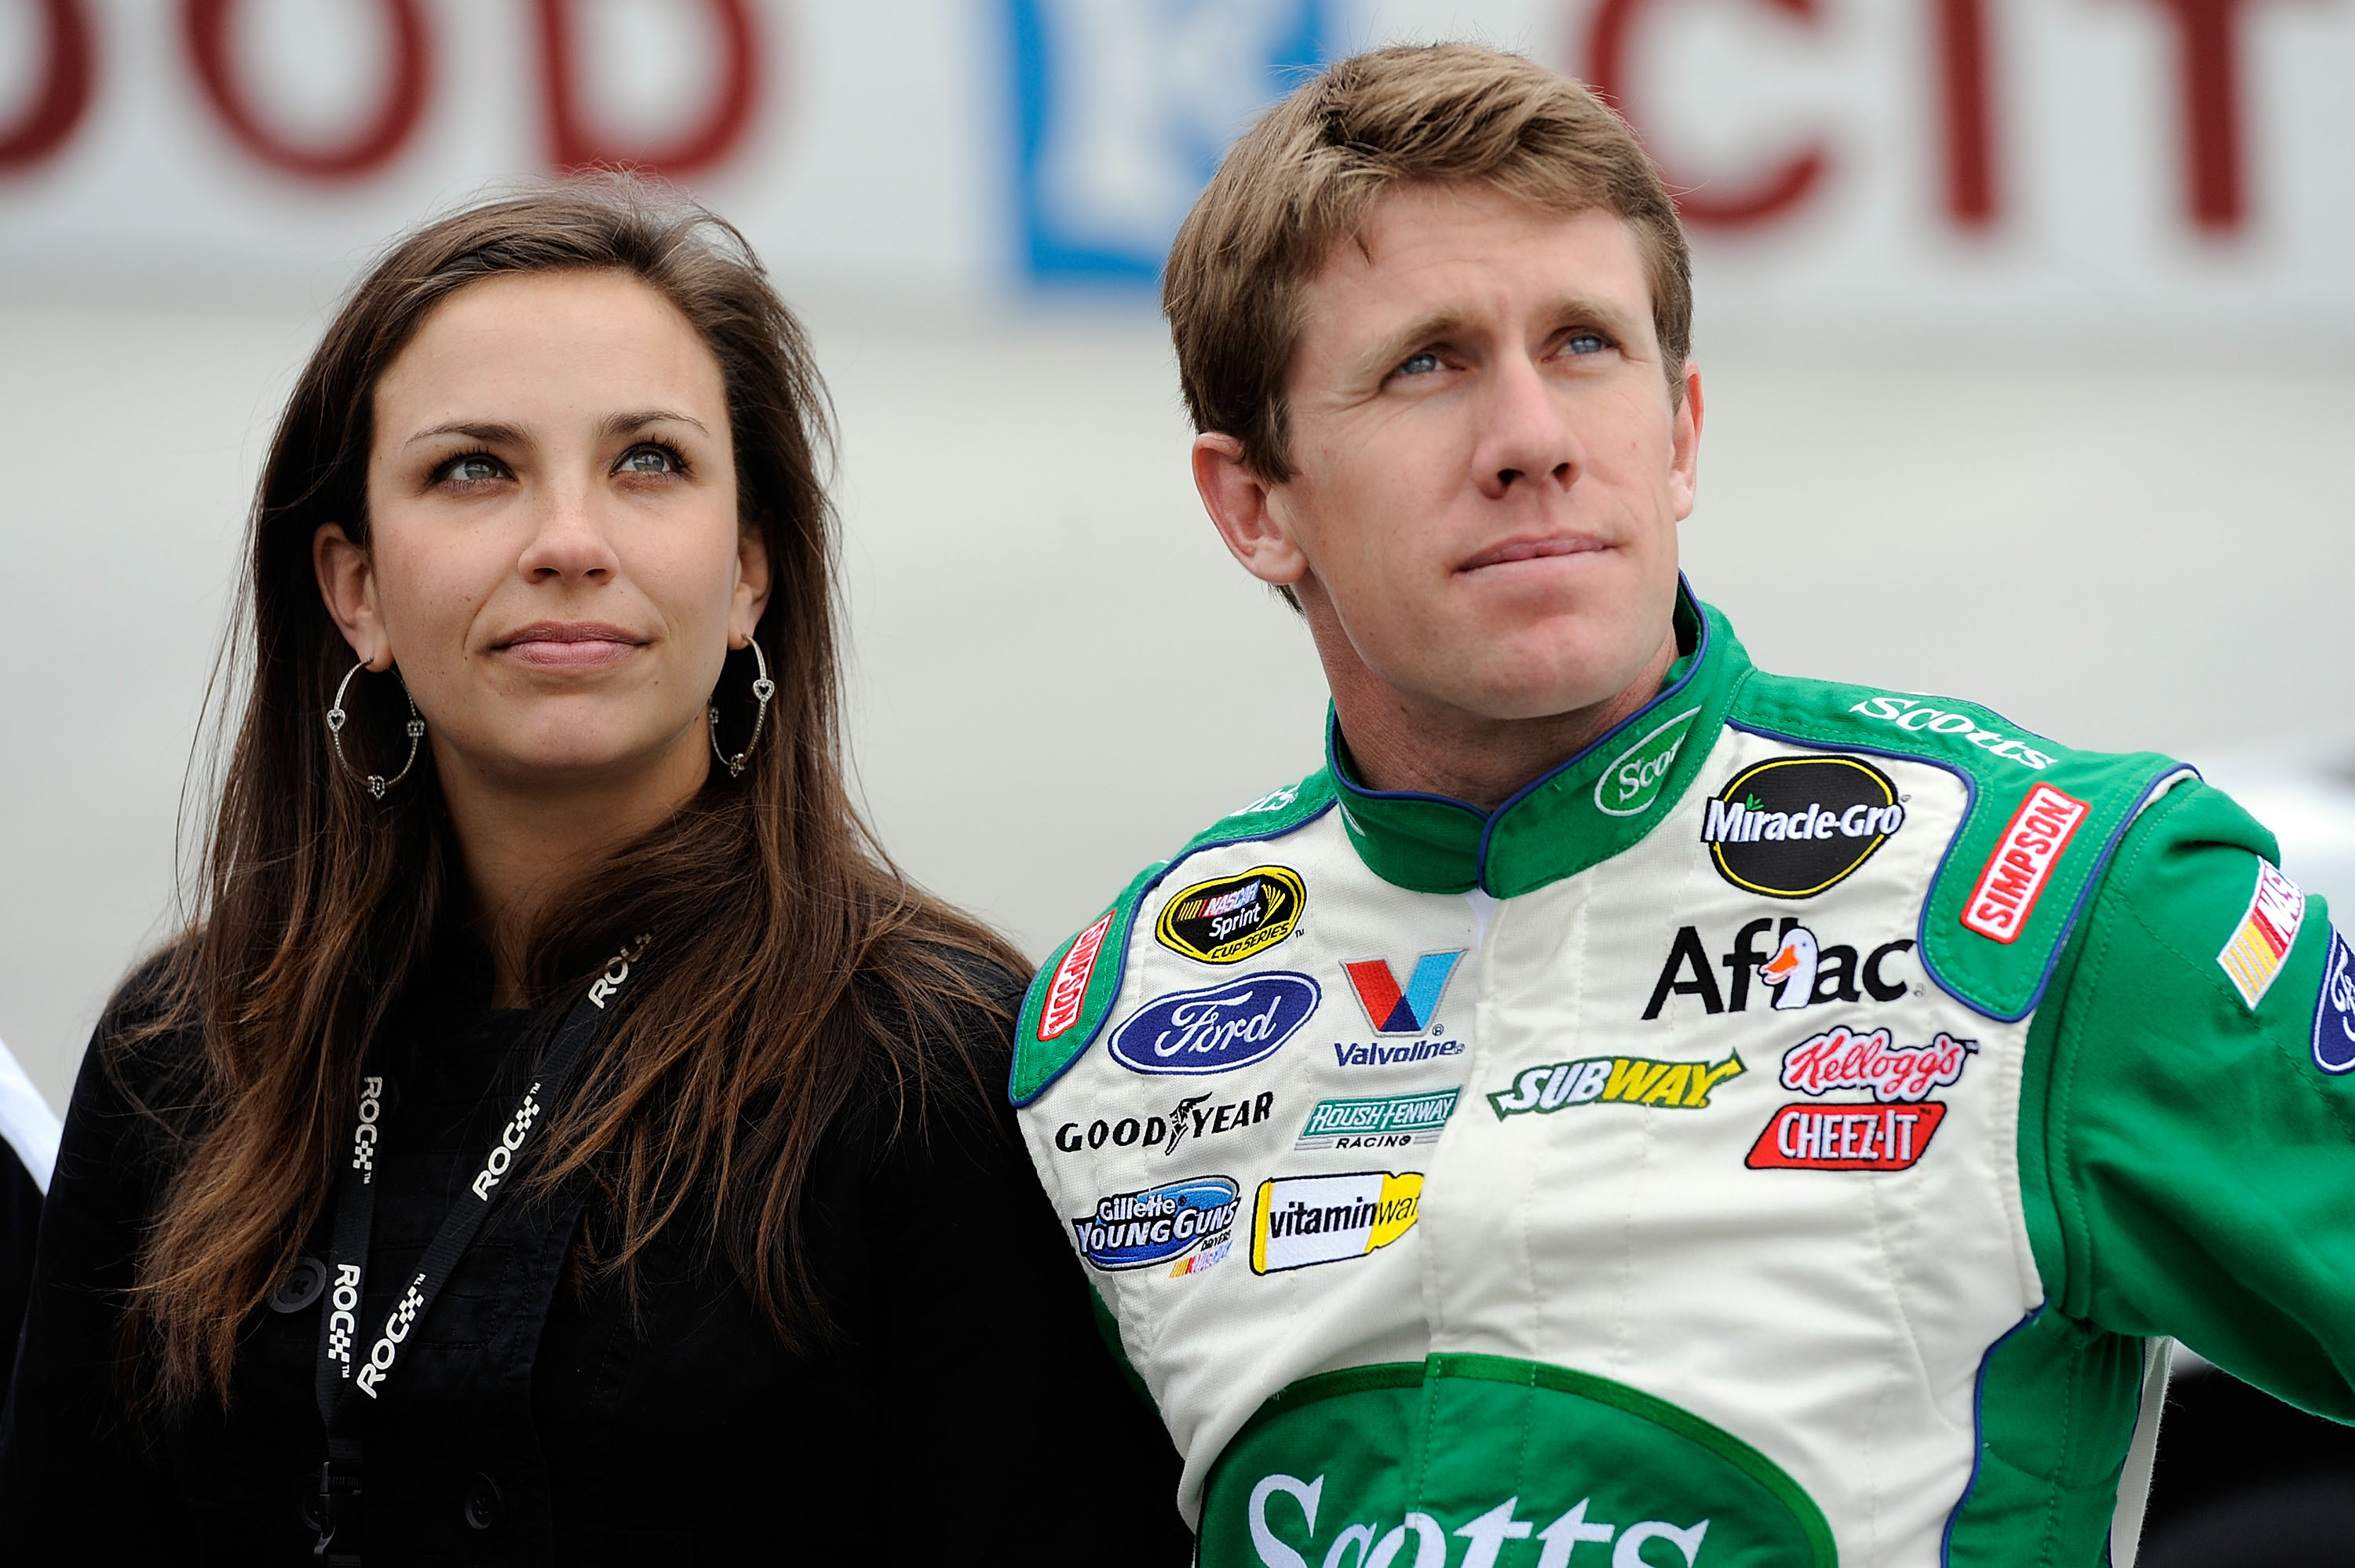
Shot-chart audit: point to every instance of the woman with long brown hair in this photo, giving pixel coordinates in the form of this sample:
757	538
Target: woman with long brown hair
559	1135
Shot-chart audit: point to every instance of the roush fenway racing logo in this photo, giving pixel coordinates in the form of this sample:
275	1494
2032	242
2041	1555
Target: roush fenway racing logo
2022	864
1841	1058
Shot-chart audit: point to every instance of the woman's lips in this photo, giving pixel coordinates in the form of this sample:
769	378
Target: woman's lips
571	647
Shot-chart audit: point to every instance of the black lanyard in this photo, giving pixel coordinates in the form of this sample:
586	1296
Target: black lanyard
351	1377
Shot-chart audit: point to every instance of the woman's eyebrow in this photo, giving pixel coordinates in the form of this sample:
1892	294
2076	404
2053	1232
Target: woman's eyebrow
488	434
617	424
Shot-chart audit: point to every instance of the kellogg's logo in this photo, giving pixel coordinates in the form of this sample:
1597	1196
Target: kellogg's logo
1140	1230
1631	782
1227	920
1218	1029
1839	1058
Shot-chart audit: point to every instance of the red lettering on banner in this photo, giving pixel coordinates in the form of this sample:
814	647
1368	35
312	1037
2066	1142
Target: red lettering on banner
1846	1137
1769	198
2209	58
1069	988
1972	199
572	144
206	26
2021	864
61	92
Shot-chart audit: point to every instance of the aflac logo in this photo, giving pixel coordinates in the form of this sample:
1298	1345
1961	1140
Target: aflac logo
1218	1029
1631	784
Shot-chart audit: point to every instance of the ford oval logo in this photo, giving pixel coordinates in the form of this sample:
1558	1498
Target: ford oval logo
1219	1029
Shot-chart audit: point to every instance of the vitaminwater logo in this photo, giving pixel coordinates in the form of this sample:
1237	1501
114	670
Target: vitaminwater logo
1299	1222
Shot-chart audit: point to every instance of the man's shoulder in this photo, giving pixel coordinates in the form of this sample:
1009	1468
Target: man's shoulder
2041	825
1076	989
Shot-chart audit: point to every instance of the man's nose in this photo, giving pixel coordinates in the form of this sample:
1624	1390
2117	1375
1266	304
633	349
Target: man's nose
1526	438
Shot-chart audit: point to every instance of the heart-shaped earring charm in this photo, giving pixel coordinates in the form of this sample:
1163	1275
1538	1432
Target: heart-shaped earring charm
764	688
334	721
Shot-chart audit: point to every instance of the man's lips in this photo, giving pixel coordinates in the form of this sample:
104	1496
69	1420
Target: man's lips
570	644
1513	550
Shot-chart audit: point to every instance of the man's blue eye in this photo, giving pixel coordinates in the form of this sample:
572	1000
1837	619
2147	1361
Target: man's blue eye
1419	364
1586	343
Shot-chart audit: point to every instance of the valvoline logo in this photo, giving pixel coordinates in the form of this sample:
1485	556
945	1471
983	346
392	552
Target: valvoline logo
1391	1010
1219	1028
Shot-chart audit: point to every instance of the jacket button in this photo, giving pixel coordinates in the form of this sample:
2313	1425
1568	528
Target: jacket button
485	1508
301	1286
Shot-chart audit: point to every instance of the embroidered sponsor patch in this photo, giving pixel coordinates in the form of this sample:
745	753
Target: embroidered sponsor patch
1613	1080
1803	1137
1916	717
1069	988
1298	1222
1378	1121
1393	1009
1631	782
1790	967
2015	874
1196	1115
2334	1009
1841	1058
1219	1028
1142	1229
2267	931
1792	826
1227	920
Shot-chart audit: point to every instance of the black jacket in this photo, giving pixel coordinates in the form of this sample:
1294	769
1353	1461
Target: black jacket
966	1409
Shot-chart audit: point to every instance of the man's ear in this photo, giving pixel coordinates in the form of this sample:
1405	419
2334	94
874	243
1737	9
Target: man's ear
752	585
1684	444
348	583
1245	514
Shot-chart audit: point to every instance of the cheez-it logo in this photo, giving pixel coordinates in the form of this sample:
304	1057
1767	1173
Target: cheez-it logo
2022	864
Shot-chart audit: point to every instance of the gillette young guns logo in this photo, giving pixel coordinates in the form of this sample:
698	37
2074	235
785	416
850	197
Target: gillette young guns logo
1218	1029
1792	826
1159	1224
1391	1009
1791	965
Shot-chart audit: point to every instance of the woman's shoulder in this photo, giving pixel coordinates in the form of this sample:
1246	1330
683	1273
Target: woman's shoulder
939	1021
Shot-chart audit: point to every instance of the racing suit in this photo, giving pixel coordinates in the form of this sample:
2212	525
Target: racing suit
1782	1134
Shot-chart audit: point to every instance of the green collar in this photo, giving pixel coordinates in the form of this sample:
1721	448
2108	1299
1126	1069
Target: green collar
1601	801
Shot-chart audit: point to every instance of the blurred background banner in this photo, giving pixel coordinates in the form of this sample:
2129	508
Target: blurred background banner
2027	327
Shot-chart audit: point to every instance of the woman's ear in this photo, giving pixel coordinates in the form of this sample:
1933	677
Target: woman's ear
348	583
751	584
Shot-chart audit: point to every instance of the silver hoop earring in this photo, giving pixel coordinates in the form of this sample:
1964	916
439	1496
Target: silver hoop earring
336	718
763	689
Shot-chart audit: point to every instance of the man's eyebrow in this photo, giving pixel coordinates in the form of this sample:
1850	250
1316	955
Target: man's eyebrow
619	424
474	431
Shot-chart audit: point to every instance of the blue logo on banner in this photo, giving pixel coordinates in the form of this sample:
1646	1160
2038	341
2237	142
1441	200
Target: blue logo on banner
2334	1009
1218	1029
1123	108
1137	1230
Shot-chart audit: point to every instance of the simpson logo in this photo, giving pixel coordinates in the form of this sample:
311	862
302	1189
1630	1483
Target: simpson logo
1631	783
1298	1222
1381	1121
1391	1010
2267	931
1070	986
1227	920
1219	1029
2022	864
1910	715
1613	1080
1159	1224
2334	1009
1839	1058
364	1132
1792	826
1846	1137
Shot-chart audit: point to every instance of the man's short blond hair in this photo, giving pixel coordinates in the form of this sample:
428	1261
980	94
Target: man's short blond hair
1310	173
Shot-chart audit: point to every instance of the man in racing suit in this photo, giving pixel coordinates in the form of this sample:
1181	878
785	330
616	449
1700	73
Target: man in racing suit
1627	1107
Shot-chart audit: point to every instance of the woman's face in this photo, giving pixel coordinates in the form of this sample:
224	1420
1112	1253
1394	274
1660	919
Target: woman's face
554	559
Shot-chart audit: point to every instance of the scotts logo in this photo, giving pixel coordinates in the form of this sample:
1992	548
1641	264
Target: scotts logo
1381	1121
1613	1080
1228	920
1198	1115
1069	988
1841	1058
1140	1230
2334	1009
2268	930
2015	874
1218	1029
1792	826
1487	1535
364	1132
1912	714
1790	964
1631	780
1299	1222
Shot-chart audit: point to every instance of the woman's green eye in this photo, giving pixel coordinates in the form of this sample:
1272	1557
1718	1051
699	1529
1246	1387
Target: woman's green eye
648	460
473	469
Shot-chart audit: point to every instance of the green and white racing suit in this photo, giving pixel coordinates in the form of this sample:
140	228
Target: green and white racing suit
1781	1135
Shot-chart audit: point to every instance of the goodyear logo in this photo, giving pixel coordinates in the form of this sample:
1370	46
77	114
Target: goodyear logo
1615	1080
1380	1121
1298	1222
1227	920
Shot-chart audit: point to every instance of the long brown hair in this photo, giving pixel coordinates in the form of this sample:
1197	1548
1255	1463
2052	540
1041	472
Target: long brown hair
792	961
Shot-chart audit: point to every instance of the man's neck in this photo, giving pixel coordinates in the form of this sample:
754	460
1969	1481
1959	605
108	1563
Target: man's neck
1398	744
